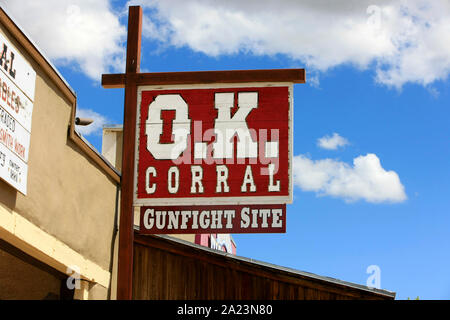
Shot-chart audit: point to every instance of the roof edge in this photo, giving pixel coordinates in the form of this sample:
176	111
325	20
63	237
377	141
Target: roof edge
382	292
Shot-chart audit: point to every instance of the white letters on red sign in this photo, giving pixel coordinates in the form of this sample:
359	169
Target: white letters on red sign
226	126
214	145
181	127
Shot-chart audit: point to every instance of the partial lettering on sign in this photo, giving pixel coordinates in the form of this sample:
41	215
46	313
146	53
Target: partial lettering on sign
221	242
15	102
16	68
223	144
13	170
17	86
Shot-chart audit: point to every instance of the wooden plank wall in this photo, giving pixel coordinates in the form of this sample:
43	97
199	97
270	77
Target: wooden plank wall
165	271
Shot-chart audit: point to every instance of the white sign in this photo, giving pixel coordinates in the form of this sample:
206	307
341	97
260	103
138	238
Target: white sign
15	101
17	88
13	135
221	242
17	68
13	170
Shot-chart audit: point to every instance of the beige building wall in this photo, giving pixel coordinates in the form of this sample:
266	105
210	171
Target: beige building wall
68	215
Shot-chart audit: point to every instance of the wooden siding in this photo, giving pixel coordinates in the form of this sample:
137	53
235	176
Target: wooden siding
166	270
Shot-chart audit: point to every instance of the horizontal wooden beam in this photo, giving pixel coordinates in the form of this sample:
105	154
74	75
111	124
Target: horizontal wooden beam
113	81
205	77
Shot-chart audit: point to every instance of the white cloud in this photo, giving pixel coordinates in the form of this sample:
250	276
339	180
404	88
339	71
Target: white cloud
402	40
366	180
87	32
95	128
333	142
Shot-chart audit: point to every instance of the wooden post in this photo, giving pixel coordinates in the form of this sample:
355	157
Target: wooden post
126	232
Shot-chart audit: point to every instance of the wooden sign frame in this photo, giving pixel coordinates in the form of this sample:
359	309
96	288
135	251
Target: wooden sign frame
130	80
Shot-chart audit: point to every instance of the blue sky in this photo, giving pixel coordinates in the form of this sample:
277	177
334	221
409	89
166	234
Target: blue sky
377	79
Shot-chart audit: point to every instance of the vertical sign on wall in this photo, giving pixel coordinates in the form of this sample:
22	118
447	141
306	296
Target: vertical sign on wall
17	85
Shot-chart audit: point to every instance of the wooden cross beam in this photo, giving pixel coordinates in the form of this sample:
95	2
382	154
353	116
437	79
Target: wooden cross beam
204	77
130	80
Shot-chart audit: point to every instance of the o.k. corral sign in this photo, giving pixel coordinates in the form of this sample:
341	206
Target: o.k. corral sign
214	158
203	151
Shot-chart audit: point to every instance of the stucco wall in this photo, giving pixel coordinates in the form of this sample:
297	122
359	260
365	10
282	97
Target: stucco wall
69	196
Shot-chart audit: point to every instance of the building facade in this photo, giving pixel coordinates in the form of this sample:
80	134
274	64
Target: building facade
55	227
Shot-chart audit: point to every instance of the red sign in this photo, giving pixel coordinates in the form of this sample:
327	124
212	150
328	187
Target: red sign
215	219
221	145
